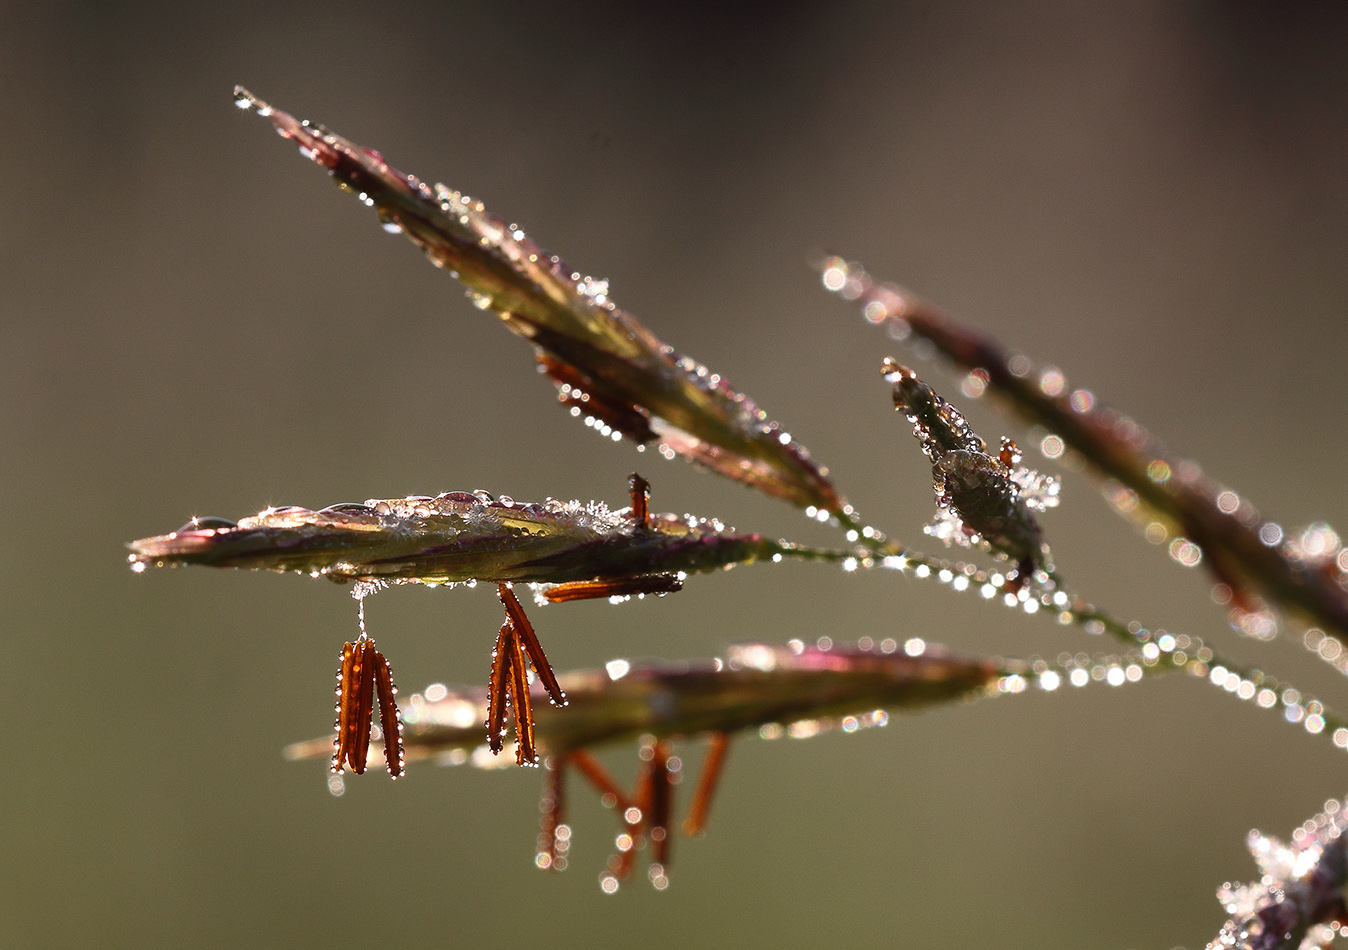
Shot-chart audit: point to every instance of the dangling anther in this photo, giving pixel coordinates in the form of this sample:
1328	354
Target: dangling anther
529	641
365	674
618	587
696	820
516	647
554	835
646	814
659	807
498	686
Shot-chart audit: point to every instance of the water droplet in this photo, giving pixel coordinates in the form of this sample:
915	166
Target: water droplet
1270	533
206	524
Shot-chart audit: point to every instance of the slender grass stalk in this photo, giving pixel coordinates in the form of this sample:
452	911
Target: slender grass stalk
1307	575
611	369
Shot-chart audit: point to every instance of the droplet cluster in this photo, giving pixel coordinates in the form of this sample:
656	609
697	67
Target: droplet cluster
1175	490
1300	888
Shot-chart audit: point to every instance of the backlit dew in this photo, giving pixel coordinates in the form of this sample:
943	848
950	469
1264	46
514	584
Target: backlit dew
1316	542
1341	738
1051	446
1156	533
1185	552
608	883
1079	677
805	729
1266	698
1270	533
1082	400
915	646
1158	471
1258	624
975	384
1012	684
1228	502
1052	382
1049	681
1115	676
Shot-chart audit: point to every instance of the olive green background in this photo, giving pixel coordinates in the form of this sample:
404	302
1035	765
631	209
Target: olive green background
1151	196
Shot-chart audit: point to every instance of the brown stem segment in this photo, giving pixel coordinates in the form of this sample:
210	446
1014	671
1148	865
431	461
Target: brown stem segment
718	745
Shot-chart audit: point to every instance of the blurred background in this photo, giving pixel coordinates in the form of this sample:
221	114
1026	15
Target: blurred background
1151	196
